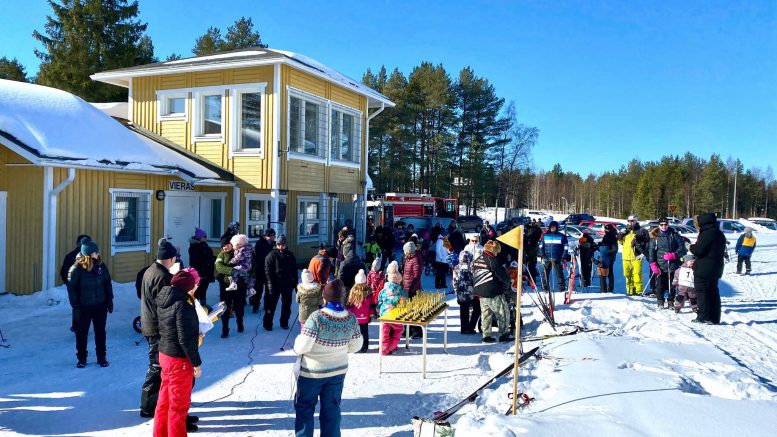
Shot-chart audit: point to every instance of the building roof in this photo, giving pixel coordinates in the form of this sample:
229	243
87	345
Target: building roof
48	126
243	58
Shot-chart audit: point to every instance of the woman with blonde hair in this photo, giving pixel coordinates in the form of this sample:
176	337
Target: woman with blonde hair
90	292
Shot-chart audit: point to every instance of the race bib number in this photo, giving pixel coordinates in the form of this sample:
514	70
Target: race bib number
686	277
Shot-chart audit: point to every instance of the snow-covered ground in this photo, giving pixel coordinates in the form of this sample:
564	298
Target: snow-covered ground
646	372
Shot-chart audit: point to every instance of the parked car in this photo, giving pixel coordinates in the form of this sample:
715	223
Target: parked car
765	222
470	223
502	226
575	219
538	215
731	226
597	226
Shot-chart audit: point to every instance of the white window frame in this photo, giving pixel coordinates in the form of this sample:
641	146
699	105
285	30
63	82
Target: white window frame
323	137
235	94
263	198
308	238
197	98
164	96
141	246
213	237
356	141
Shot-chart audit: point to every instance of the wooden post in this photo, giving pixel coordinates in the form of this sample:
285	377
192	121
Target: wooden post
519	286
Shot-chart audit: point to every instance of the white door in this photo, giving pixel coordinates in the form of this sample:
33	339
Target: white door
3	231
182	215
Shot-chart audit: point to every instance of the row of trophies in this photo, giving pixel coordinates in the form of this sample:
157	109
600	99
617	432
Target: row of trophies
420	307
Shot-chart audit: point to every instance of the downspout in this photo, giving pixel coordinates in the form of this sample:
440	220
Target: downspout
363	223
50	223
276	149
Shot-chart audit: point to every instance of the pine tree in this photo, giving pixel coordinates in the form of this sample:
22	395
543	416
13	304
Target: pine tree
12	69
240	35
84	37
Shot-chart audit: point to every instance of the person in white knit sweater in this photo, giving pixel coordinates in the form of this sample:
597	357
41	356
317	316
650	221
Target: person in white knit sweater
327	338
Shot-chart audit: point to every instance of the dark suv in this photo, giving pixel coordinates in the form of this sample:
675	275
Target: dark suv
470	223
575	219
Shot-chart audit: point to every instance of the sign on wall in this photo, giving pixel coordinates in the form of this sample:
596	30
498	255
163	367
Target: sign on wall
180	186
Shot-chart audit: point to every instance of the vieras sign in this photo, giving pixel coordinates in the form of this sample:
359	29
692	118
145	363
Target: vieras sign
180	186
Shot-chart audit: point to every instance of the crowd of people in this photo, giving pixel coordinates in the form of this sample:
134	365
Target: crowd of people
339	294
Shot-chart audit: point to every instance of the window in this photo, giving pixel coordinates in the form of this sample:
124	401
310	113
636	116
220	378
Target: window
130	219
209	110
308	218
247	122
307	125
345	140
258	215
212	215
172	105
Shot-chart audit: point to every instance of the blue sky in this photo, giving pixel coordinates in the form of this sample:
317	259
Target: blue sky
604	81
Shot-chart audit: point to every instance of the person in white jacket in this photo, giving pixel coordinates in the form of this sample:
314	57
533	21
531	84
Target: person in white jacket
442	250
328	336
474	247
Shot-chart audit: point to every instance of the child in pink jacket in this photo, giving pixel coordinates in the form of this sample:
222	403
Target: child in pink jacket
375	280
358	304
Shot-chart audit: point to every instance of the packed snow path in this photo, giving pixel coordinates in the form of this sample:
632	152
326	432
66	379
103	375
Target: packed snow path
646	372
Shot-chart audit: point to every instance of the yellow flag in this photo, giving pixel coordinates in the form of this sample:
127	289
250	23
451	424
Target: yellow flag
513	238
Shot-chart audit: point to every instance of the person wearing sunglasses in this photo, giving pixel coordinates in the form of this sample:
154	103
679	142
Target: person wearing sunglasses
665	255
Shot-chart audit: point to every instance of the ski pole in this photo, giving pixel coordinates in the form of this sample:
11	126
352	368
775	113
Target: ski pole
647	284
290	331
137	343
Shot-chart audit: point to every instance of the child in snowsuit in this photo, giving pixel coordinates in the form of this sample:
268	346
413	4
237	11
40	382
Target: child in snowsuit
375	280
745	248
462	285
309	296
241	264
389	297
683	281
359	299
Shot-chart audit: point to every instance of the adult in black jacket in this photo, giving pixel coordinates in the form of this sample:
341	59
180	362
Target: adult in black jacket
90	293
156	276
262	248
202	259
234	300
68	262
709	250
281	269
178	353
610	241
586	247
491	283
386	242
350	264
665	254
531	248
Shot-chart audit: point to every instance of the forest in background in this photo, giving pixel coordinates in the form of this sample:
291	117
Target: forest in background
447	136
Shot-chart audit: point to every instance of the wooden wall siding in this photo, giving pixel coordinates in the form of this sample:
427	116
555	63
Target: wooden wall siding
343	180
253	171
84	207
3	172
345	97
306	176
24	236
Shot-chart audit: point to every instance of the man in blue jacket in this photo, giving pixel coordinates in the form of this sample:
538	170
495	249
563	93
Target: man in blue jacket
554	250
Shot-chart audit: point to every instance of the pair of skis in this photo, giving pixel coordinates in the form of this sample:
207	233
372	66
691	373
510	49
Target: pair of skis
545	306
572	276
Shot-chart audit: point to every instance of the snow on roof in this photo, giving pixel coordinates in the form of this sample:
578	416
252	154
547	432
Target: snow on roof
113	109
334	74
56	125
227	55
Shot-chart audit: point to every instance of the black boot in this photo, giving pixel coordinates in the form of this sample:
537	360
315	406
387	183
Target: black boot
660	303
240	327
225	333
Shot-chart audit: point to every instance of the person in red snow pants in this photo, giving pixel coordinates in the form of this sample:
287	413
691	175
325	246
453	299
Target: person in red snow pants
174	396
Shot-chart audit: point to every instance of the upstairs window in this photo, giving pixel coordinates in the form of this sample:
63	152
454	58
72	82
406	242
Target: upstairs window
172	105
209	122
345	139
247	133
307	125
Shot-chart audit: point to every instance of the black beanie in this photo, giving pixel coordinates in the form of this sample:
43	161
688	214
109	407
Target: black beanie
165	250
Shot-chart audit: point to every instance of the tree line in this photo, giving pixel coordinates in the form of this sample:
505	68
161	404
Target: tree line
682	186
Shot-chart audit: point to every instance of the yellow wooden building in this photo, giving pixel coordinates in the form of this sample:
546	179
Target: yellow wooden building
291	130
66	169
265	137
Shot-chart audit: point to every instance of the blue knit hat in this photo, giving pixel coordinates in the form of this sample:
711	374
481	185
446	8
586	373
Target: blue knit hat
88	248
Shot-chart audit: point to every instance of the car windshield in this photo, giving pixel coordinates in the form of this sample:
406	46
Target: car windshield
569	230
417	222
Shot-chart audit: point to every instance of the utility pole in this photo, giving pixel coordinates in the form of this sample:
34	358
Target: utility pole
734	205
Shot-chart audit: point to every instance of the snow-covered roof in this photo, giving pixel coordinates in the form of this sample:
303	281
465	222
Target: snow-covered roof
113	109
51	126
243	58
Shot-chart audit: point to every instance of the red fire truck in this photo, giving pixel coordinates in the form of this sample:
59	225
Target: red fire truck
395	206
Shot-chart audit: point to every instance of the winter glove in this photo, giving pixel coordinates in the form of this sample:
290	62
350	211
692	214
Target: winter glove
76	313
655	269
670	256
110	306
640	257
